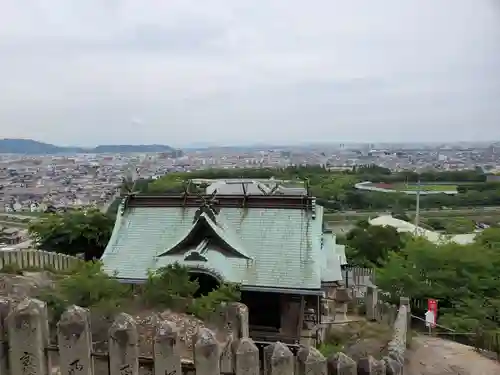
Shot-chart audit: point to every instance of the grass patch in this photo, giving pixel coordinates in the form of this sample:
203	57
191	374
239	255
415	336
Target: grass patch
430	187
358	339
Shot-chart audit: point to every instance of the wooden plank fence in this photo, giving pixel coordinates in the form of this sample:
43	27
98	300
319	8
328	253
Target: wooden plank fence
37	259
24	342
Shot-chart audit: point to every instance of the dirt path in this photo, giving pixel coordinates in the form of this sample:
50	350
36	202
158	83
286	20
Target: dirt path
435	356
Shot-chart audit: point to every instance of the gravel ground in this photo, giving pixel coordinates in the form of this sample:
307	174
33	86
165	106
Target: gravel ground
435	356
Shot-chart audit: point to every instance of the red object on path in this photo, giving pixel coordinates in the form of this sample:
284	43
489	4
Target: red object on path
432	305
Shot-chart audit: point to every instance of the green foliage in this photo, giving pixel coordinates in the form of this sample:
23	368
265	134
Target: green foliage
451	225
370	245
169	287
489	238
87	286
203	306
12	269
72	232
172	287
463	278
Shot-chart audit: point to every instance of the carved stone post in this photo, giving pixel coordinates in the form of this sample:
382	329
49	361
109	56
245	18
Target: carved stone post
206	352
370	366
405	301
123	346
278	360
247	358
310	362
340	364
5	304
371	300
393	367
166	350
227	357
75	342
25	332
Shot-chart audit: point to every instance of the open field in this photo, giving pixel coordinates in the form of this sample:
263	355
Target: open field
452	187
430	187
477	213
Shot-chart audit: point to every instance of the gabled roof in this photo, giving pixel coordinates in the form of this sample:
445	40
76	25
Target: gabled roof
279	241
229	240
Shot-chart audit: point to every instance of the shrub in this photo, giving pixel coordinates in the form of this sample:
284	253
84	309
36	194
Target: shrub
12	268
203	306
172	287
169	287
87	286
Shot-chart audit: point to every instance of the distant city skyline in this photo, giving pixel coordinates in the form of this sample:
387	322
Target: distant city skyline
179	73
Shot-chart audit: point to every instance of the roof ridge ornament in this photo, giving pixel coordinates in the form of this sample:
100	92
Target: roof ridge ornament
207	207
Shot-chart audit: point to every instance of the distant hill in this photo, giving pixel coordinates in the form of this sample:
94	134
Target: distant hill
31	147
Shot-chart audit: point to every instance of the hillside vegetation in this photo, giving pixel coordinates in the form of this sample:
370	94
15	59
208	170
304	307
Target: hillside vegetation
29	146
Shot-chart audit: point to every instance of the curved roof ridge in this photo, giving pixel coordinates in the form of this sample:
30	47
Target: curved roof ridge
230	241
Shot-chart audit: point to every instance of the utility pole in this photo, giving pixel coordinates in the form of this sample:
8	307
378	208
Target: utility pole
417	211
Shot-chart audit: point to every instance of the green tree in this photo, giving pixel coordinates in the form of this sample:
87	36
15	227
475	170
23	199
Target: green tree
463	278
489	238
72	232
370	245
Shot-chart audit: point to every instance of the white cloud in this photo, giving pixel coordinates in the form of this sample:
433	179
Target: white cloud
248	71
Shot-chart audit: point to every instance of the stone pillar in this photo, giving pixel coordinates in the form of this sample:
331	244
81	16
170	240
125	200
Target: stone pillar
44	321
206	352
371	300
246	358
370	366
278	360
5	304
340	364
167	359
235	317
227	357
310	362
25	332
405	301
387	319
243	318
123	346
75	342
393	367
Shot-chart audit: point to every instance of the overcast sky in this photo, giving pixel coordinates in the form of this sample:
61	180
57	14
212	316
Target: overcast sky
87	72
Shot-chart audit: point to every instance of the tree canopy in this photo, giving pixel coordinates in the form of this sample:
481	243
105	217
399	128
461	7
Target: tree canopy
463	278
72	232
369	245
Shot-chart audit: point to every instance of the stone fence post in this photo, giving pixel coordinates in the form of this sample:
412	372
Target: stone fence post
75	342
371	301
26	339
5	304
167	360
246	358
206	353
123	346
278	360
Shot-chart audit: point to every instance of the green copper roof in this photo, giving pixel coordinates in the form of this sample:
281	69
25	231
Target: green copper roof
331	270
219	229
272	247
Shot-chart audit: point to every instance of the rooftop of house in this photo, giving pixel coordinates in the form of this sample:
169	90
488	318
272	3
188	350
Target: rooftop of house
264	242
